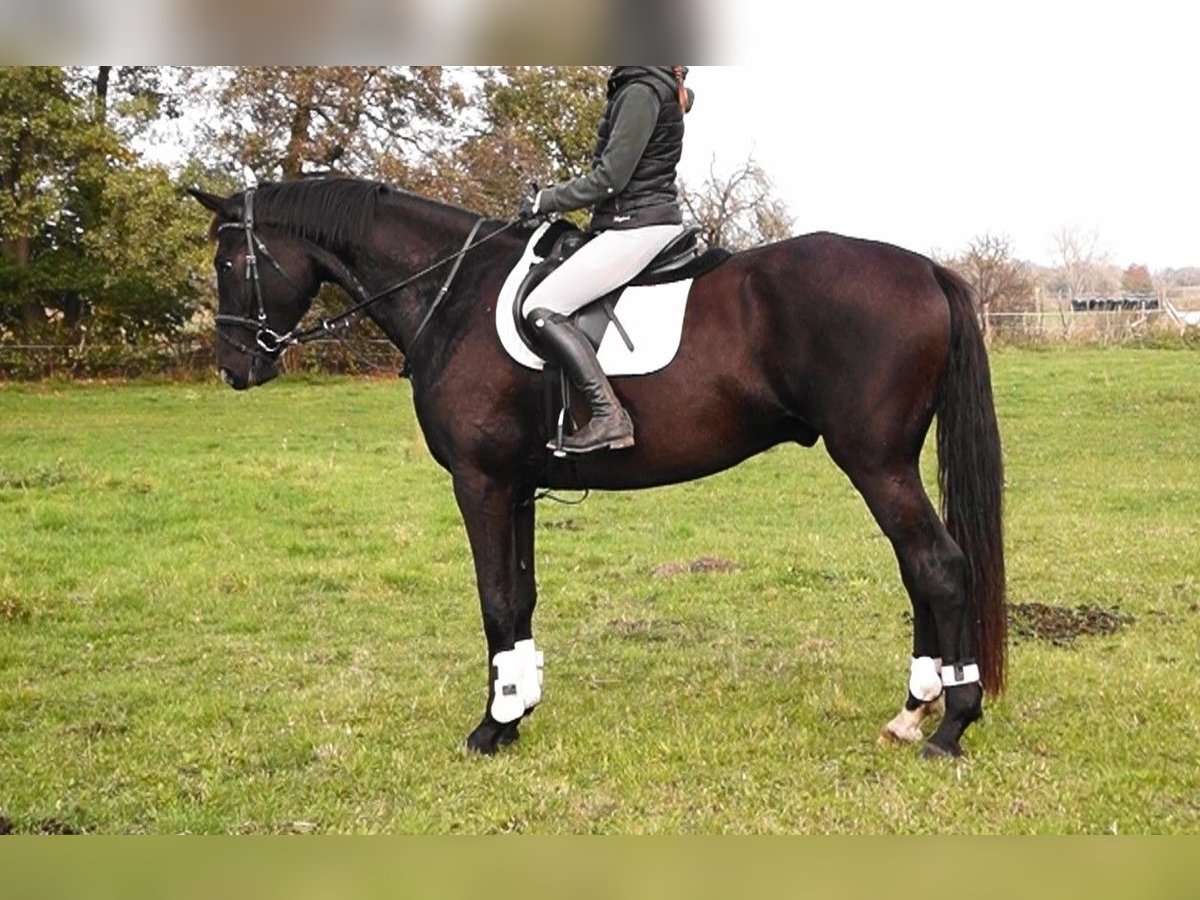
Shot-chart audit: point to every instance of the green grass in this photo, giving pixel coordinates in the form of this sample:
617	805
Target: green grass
256	613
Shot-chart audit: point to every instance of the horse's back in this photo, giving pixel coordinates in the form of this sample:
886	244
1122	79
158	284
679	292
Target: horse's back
836	324
835	291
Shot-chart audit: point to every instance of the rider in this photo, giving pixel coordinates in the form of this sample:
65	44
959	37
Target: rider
635	213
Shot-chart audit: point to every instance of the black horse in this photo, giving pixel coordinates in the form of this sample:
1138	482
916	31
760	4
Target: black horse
818	337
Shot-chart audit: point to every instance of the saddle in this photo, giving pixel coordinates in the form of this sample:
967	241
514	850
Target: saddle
679	260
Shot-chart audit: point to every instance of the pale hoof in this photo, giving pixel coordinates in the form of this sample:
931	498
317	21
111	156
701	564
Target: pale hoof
902	730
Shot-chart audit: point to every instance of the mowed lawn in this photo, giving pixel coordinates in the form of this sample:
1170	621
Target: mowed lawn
256	613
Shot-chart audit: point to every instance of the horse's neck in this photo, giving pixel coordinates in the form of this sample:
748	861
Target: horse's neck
407	239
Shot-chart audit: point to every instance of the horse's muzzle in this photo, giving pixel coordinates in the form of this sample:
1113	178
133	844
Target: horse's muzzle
234	381
260	371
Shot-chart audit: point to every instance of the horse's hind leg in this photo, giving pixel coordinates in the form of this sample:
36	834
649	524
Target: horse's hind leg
924	696
932	568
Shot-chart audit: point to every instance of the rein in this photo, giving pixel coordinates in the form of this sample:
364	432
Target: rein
272	343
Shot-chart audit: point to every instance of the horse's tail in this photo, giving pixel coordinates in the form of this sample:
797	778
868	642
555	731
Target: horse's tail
971	477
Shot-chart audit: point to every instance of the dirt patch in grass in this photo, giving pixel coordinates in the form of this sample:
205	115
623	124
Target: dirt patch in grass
647	630
1061	625
15	609
291	827
695	566
559	525
36	478
48	826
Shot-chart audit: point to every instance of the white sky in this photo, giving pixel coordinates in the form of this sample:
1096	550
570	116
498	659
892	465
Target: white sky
926	124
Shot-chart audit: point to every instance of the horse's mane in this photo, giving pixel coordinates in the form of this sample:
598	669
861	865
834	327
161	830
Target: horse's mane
332	212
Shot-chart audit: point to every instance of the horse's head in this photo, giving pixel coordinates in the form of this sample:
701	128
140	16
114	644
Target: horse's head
266	280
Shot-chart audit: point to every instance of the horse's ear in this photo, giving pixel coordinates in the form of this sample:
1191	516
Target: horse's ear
221	206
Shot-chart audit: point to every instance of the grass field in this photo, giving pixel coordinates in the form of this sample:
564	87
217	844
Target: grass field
256	613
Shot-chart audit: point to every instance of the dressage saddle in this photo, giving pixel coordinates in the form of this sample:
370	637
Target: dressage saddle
680	259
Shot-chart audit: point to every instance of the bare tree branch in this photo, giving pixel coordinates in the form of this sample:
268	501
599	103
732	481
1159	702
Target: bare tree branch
737	211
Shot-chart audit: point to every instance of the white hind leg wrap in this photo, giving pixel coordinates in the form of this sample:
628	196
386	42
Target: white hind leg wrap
924	678
953	676
925	684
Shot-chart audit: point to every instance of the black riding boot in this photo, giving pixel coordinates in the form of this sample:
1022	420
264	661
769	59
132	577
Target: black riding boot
610	427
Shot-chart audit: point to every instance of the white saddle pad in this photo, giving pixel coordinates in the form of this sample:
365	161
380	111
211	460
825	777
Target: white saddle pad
652	315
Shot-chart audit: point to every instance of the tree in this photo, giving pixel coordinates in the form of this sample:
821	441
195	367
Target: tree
1186	277
54	154
738	211
289	121
38	127
120	104
151	251
1001	282
130	98
1136	280
85	231
537	124
1082	262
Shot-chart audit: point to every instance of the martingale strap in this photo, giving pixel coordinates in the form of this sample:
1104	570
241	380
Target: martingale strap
441	294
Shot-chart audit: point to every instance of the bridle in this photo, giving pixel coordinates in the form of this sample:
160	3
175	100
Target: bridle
267	340
269	343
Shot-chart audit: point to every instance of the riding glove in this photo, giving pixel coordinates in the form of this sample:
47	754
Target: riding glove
528	208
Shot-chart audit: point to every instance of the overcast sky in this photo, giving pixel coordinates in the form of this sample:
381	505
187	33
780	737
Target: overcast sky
925	124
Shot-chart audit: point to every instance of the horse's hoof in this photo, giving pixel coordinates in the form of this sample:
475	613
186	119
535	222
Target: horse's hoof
491	736
508	735
892	733
904	728
934	751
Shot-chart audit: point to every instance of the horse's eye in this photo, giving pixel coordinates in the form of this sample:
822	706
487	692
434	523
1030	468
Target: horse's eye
226	265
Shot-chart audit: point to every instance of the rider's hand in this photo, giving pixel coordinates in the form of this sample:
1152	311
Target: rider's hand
528	208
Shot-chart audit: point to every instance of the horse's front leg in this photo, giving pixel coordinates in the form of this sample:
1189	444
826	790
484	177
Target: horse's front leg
526	600
489	508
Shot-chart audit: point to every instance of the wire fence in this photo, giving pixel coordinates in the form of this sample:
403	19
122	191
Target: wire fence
1096	325
185	359
195	357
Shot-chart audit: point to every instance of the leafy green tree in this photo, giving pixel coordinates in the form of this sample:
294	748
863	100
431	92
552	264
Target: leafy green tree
150	249
289	121
87	236
536	124
129	99
42	133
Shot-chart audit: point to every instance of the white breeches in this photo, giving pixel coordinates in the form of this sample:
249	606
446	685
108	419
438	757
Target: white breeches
604	263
